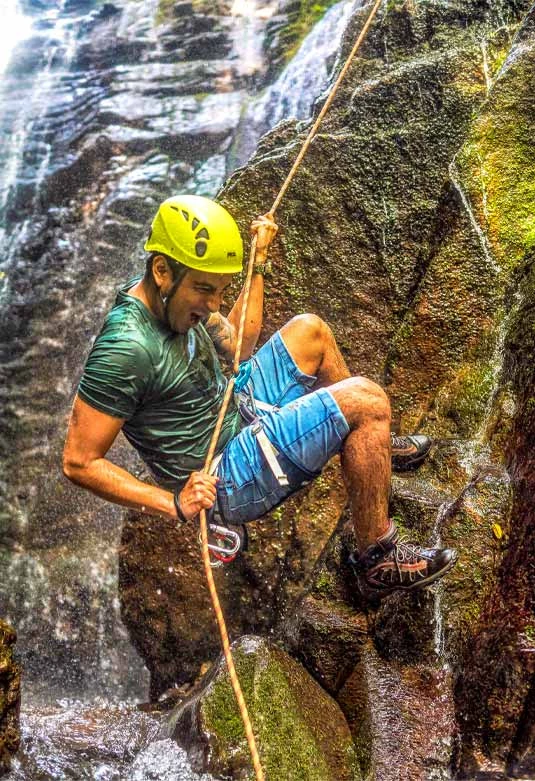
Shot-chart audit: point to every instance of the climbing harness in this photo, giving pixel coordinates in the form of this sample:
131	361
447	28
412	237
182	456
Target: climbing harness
259	773
224	543
249	409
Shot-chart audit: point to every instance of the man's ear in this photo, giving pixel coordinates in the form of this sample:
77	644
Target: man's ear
161	272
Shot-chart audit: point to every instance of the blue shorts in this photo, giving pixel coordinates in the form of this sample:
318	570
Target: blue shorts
306	428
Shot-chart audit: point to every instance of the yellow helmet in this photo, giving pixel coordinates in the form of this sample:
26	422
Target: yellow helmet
197	232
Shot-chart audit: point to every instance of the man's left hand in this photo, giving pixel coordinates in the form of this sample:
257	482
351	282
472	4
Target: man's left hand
265	230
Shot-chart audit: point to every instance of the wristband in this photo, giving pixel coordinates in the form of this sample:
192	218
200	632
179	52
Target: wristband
262	268
178	508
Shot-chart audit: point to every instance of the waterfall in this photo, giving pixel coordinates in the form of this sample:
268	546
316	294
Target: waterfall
33	88
15	28
299	85
67	93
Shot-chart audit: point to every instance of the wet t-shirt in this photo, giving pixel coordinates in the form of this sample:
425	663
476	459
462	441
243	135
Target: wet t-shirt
168	387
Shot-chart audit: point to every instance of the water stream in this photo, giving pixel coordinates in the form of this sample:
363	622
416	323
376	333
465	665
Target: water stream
484	242
300	84
101	741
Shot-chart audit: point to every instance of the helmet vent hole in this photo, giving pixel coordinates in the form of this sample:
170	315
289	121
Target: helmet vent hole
200	249
185	214
174	208
194	223
202	234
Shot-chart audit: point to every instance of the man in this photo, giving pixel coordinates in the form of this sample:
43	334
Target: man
154	373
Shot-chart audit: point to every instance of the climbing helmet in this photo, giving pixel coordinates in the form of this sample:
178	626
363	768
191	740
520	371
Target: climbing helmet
197	232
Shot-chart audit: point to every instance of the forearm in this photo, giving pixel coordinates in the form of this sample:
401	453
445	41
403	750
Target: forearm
115	484
253	321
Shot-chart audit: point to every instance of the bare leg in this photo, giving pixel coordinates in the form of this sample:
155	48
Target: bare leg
312	345
366	456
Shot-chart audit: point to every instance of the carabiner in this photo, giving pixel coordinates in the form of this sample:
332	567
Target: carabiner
226	544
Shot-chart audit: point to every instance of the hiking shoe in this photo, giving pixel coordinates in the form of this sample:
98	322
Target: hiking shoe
393	564
409	452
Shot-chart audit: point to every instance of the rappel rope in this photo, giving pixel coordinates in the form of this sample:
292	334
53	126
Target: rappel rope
228	393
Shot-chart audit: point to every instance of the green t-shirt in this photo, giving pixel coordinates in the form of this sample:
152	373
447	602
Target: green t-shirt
169	388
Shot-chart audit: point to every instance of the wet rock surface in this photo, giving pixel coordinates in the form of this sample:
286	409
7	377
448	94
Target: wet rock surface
164	598
10	675
410	230
301	731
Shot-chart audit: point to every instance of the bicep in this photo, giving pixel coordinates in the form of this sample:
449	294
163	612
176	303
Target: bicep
222	334
90	435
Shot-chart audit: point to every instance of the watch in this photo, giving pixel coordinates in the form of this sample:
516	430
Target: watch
262	268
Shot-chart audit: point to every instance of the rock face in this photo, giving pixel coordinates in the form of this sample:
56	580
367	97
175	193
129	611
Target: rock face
416	245
300	730
164	598
9	698
409	228
123	104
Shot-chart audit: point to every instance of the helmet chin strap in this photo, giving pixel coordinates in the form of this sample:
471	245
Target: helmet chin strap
166	300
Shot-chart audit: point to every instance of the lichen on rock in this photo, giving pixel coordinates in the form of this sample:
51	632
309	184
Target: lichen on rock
301	733
10	674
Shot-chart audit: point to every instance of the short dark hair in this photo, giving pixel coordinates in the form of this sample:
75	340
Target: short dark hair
178	270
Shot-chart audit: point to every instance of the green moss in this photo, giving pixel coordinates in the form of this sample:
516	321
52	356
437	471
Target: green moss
310	12
289	740
466	398
164	12
529	632
221	709
325	583
498	166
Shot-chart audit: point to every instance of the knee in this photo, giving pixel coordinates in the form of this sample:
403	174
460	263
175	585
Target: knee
372	396
309	327
362	400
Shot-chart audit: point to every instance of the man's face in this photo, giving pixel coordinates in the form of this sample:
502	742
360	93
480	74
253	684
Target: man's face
198	295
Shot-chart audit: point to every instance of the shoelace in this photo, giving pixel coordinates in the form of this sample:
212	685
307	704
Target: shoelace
407	553
399	443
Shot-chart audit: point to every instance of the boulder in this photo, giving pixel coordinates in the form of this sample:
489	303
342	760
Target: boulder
164	598
300	731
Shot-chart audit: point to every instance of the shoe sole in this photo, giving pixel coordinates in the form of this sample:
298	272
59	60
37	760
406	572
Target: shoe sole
370	592
412	465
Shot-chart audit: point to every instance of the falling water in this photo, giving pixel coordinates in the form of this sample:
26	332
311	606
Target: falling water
15	28
436	542
300	83
250	16
26	99
455	179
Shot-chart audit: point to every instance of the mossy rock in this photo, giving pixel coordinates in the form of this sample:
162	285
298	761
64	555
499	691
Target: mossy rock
9	697
301	733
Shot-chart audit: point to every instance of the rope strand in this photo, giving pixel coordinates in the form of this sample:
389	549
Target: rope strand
222	412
